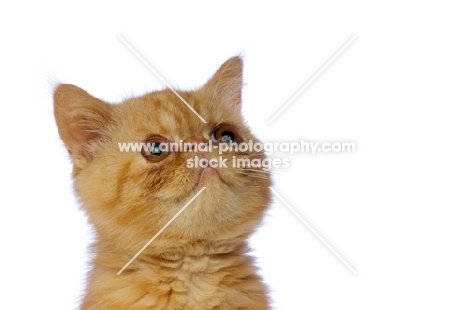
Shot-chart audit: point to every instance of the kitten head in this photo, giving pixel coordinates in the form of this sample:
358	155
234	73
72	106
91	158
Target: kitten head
130	195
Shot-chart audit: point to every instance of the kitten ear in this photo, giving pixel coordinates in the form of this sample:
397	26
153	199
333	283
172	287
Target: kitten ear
81	119
227	82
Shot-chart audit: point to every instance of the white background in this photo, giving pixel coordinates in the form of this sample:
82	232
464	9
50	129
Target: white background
396	209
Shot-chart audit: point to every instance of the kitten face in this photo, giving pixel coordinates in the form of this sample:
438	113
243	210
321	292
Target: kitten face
129	196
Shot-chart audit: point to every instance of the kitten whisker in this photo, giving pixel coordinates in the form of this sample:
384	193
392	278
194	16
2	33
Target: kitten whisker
257	170
257	176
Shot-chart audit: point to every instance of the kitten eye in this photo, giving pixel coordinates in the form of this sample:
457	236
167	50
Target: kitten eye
153	149
225	133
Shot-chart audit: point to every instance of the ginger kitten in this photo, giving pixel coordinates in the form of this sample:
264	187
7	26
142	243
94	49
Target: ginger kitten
200	260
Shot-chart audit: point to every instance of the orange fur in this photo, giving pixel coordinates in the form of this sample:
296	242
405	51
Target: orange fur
200	261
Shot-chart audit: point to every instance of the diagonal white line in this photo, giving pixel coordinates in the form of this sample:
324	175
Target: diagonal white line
160	77
161	230
311	80
315	233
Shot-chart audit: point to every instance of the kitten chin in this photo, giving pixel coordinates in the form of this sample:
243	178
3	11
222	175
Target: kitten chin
200	261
